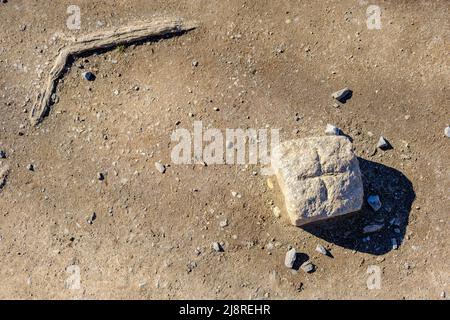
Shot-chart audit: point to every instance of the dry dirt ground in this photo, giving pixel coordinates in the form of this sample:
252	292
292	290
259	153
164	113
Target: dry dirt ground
260	64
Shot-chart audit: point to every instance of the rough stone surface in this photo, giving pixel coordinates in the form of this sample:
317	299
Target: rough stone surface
290	258
89	76
308	267
319	178
160	167
217	247
341	94
332	130
383	144
321	249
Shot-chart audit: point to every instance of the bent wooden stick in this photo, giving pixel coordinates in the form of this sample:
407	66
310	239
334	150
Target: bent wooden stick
101	41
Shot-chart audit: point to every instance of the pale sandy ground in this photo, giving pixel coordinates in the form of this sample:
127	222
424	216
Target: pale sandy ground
261	63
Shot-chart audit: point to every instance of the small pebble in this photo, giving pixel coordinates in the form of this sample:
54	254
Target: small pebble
160	167
291	257
308	267
383	144
332	130
2	154
91	218
447	131
88	76
236	194
100	176
276	212
30	167
394	244
374	202
217	247
223	223
373	228
321	249
341	95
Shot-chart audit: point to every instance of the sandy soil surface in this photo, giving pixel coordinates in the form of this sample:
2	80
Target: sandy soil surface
249	64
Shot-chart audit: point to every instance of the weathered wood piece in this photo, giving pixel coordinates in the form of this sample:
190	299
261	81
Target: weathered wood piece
103	40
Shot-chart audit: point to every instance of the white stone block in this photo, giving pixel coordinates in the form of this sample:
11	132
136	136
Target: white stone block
319	178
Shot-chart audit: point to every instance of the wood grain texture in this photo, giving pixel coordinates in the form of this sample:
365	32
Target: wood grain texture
97	41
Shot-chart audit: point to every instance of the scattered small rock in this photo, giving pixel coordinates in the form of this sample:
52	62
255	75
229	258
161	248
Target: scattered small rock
341	95
373	228
3	175
332	130
88	76
374	202
321	249
394	243
100	176
91	218
160	167
383	144
447	131
217	247
308	267
223	223
30	167
291	257
195	63
2	154
236	194
276	212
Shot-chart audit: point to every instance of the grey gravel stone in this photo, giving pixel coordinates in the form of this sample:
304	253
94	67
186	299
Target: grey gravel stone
30	167
291	257
321	249
91	218
160	167
383	144
217	247
223	223
331	130
374	202
447	131
394	243
373	228
308	267
2	154
341	94
88	76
